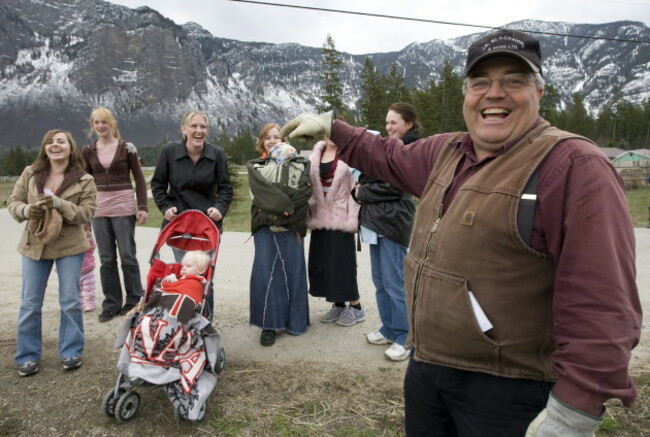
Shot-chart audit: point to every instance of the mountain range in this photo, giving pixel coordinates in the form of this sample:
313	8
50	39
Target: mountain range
61	58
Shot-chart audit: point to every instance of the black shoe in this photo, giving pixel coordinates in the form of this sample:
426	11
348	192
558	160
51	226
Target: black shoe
105	316
267	338
28	369
71	363
126	308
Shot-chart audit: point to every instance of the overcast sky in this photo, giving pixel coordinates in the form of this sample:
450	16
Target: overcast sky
359	35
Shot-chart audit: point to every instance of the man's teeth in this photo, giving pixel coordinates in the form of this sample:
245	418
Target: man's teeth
495	111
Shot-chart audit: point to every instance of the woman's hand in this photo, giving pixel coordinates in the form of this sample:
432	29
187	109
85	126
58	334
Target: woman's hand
142	217
50	201
214	214
170	214
34	212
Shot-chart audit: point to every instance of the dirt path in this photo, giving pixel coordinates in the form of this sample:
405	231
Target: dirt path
69	403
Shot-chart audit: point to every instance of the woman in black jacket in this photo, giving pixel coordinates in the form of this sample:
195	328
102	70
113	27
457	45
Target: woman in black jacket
386	222
192	174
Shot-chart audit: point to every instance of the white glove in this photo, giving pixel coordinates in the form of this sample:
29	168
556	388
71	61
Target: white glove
560	420
171	278
309	126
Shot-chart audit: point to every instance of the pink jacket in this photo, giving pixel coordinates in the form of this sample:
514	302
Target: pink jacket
337	210
88	263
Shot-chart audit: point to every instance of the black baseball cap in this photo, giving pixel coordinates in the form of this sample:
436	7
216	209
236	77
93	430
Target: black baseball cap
509	43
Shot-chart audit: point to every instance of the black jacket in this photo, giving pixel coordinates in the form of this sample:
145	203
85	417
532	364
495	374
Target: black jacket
178	182
385	209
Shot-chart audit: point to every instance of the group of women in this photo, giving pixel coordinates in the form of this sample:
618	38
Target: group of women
343	202
66	188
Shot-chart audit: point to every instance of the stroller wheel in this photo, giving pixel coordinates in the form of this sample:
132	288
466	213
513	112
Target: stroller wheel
221	361
202	411
179	417
109	402
127	405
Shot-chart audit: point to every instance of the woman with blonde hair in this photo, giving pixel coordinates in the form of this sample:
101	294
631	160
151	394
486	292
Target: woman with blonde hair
112	161
56	197
192	174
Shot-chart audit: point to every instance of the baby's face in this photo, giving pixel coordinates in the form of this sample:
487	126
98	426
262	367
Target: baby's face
187	268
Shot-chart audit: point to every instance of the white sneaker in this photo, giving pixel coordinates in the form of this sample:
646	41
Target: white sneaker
396	352
377	338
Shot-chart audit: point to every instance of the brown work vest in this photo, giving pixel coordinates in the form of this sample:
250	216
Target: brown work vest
476	247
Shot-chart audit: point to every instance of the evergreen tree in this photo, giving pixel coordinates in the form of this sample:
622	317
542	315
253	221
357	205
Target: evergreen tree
332	86
645	110
428	109
550	104
606	128
578	119
395	90
371	102
450	91
15	160
440	106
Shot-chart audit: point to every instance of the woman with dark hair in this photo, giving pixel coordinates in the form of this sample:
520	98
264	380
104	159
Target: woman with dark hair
57	198
112	161
280	188
386	222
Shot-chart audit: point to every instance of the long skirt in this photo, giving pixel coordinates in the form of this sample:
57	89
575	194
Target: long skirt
333	266
278	288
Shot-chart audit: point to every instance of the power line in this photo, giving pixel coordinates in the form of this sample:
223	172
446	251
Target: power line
424	20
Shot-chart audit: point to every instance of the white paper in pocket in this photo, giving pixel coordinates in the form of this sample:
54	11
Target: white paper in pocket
481	318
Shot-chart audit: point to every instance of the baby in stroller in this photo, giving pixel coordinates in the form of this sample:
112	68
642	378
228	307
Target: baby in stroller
181	296
168	342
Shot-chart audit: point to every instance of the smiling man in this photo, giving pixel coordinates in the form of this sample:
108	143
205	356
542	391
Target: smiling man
513	320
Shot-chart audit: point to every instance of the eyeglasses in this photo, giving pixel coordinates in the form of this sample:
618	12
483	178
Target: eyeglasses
512	82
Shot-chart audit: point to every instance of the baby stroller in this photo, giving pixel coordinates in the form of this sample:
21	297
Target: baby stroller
158	350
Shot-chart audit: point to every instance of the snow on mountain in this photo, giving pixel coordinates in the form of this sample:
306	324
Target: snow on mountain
60	58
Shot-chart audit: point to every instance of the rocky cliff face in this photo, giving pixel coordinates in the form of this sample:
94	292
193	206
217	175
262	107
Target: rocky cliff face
60	58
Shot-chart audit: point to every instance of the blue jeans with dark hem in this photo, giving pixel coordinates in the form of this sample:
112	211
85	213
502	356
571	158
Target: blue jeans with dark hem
113	235
442	401
387	266
71	329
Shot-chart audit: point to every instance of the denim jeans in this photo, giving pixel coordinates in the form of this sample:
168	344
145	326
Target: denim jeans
71	329
441	401
114	234
387	266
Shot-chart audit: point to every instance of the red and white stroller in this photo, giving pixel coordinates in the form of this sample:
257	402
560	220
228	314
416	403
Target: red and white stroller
160	351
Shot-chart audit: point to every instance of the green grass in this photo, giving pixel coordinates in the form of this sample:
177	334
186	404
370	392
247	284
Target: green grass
639	201
238	217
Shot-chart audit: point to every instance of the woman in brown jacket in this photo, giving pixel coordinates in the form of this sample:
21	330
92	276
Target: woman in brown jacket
57	197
